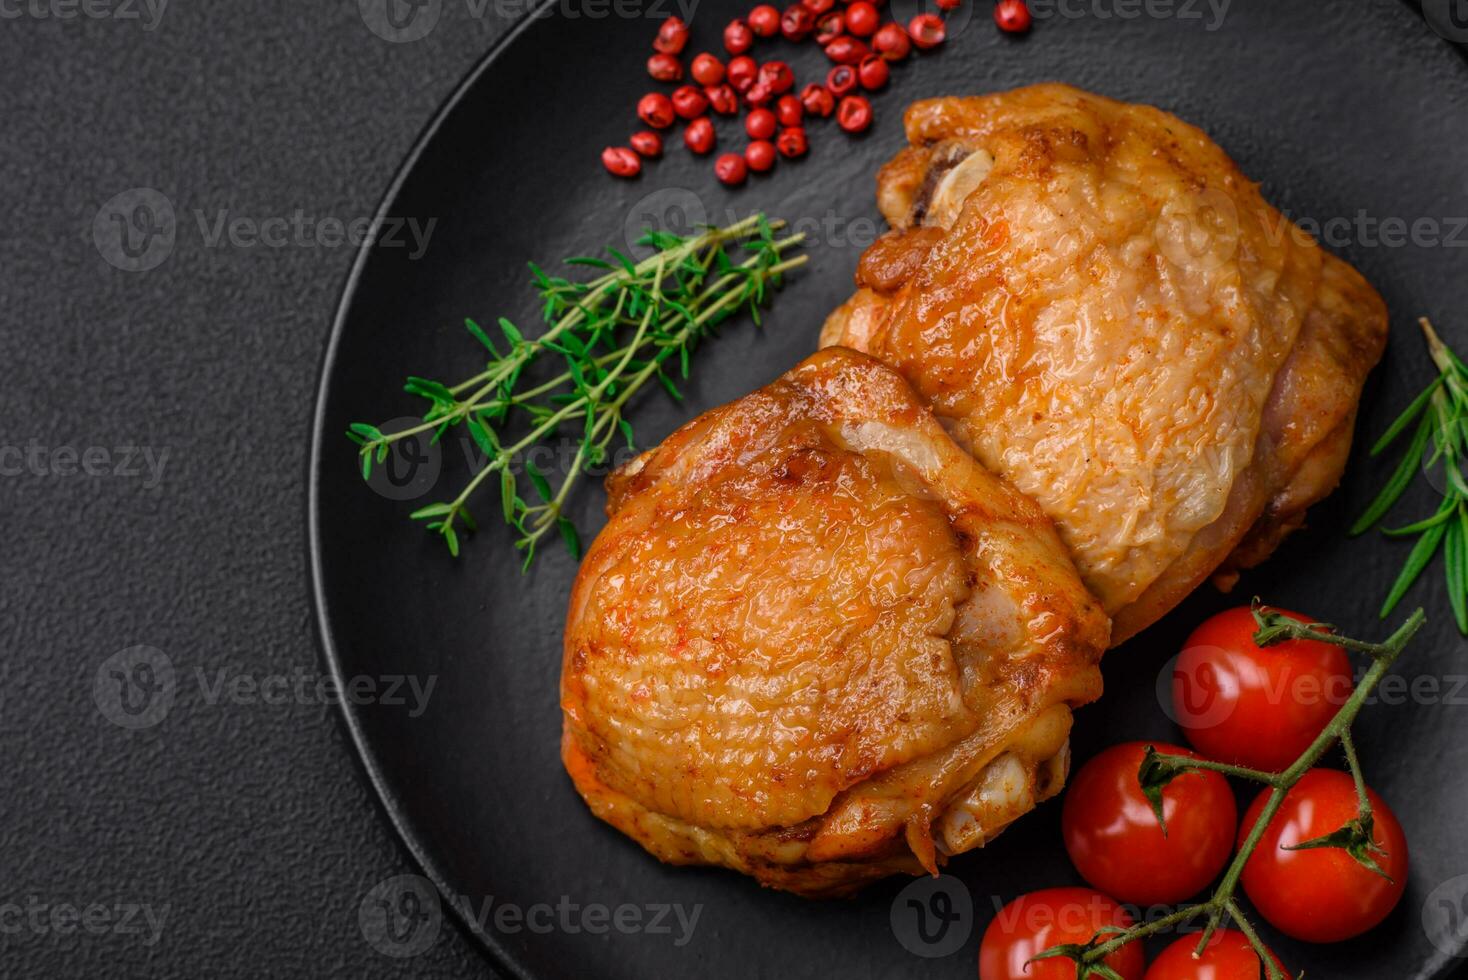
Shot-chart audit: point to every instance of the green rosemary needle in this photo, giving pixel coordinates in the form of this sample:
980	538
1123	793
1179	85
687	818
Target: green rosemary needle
1440	414
635	324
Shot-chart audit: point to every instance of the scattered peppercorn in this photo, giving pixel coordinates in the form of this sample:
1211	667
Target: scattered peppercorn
854	114
1012	16
647	144
621	162
731	169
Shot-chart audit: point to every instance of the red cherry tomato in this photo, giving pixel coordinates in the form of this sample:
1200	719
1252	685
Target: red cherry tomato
1256	706
672	36
731	169
1322	895
1228	956
1115	842
892	42
1012	16
760	155
862	18
1041	920
764	20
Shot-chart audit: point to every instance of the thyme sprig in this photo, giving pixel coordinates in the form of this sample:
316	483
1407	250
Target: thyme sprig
1441	417
1158	769
636	323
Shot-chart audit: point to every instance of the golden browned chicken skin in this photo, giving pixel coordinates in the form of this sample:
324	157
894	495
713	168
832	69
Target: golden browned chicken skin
820	644
1105	311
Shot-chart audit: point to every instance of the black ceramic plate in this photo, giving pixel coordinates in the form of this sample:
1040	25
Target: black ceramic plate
1355	112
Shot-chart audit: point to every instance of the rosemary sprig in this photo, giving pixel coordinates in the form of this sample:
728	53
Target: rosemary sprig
636	323
1157	770
1440	415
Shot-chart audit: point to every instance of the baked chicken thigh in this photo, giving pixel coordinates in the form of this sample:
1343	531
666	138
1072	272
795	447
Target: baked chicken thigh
818	643
1103	309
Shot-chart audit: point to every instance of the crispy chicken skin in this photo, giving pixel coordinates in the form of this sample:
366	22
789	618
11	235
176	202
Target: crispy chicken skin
820	644
1104	310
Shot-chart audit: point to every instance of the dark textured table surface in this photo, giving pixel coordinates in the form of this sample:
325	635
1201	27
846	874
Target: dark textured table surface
243	828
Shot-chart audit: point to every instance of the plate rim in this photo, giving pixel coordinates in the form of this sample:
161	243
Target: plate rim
486	943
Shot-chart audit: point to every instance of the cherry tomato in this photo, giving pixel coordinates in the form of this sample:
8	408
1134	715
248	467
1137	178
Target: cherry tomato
764	20
731	169
664	67
1115	842
862	18
892	42
672	36
760	155
1033	923
1322	895
1012	16
1256	706
1228	956
854	114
